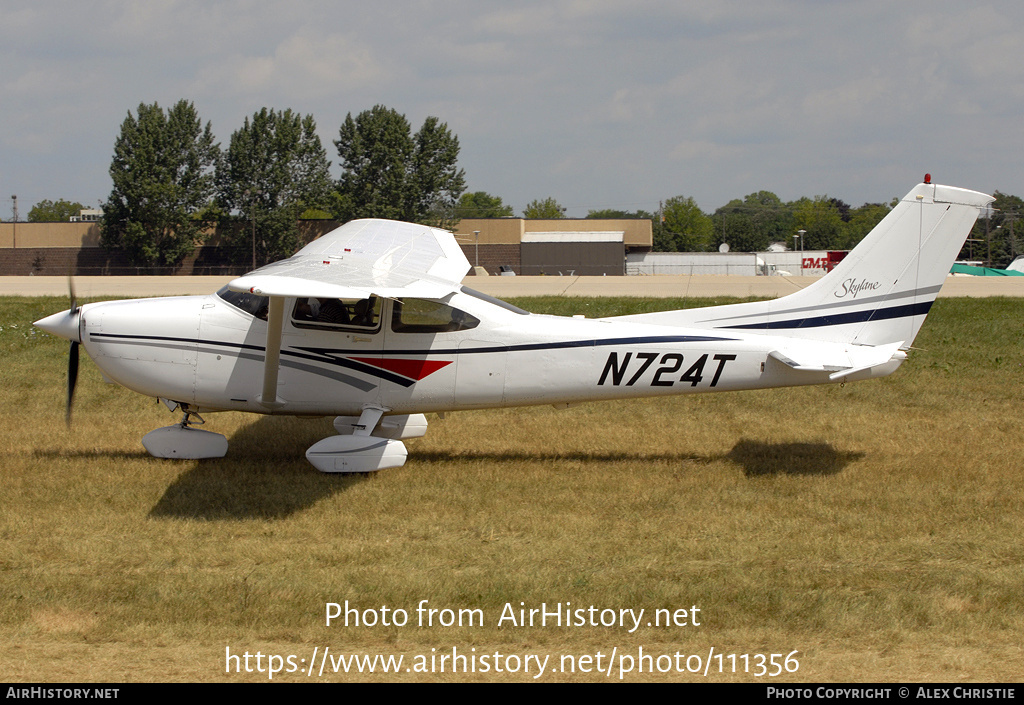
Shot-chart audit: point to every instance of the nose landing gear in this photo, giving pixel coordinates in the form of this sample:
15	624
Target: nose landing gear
182	440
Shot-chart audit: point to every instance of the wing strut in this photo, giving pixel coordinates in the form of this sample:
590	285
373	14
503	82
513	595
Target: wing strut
271	363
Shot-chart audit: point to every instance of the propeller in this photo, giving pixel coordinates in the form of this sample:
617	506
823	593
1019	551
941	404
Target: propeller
72	380
66	325
72	354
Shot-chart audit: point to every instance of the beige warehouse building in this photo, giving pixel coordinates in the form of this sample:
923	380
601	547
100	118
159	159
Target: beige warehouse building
552	247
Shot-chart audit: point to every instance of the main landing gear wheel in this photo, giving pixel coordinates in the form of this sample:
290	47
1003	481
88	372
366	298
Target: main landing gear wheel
368	443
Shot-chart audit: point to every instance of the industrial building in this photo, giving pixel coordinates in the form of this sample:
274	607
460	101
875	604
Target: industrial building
516	245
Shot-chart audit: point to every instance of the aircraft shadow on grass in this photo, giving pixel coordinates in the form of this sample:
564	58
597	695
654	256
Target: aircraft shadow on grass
92	454
262	478
582	456
758	458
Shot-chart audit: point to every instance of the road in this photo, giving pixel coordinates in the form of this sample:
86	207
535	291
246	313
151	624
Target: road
508	287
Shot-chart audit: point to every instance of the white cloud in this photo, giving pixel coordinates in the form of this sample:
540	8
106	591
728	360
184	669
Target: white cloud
301	66
703	152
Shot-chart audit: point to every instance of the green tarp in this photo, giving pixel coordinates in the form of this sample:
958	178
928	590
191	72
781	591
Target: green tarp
983	271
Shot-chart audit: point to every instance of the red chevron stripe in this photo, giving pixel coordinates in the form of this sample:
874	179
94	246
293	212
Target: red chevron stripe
413	369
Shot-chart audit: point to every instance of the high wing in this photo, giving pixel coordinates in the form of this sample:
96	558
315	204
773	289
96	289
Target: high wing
360	259
363	258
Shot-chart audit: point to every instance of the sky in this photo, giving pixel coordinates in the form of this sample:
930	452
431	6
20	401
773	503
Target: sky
599	103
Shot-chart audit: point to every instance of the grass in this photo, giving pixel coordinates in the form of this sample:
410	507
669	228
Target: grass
873	527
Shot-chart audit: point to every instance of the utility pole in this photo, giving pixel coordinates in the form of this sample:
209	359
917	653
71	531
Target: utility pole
988	240
1013	240
253	194
14	227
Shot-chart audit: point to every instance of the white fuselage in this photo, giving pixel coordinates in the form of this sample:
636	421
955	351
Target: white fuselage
205	352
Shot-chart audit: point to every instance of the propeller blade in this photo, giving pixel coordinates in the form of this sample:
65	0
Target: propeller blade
72	380
72	356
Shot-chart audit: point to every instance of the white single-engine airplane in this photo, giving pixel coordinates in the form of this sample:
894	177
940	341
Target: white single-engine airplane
371	324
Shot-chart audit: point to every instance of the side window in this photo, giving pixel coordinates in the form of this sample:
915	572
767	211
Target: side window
337	314
423	316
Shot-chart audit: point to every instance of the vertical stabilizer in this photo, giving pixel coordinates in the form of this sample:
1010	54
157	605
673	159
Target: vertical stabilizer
879	294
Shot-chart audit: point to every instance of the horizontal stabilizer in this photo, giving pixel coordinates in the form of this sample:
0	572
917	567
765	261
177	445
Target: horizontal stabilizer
839	361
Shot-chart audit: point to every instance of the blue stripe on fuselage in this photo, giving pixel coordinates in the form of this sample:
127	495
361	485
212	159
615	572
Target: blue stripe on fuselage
839	319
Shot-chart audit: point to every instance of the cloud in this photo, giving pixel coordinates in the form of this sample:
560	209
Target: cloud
703	152
300	66
646	98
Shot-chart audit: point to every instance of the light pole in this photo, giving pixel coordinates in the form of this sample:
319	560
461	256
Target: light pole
476	234
14	228
800	234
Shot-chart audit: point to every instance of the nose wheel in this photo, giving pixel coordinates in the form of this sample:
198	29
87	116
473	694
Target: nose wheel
183	440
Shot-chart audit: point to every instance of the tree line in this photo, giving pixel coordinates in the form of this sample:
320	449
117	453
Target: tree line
760	219
173	183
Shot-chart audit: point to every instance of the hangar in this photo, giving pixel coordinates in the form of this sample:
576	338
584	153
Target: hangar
567	246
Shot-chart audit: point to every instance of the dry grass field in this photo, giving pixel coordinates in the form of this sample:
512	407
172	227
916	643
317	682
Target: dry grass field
875	529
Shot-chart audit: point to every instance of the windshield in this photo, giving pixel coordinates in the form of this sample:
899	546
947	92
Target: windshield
252	304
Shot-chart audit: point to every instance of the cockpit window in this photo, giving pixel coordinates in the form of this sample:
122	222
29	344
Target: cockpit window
424	316
330	314
253	304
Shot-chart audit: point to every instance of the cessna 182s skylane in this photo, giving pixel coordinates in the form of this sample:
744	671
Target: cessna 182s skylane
371	324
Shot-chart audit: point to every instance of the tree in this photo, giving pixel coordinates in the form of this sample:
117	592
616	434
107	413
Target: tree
438	183
999	233
54	212
753	223
842	207
389	173
862	221
548	209
163	174
772	219
275	169
481	204
613	214
739	231
686	228
822	222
